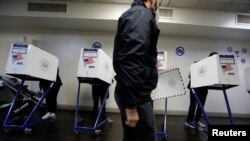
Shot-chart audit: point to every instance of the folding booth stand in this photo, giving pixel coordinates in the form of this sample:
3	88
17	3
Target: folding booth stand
28	63
218	72
170	85
95	67
26	97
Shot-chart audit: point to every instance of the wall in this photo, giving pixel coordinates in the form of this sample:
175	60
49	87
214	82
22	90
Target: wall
66	46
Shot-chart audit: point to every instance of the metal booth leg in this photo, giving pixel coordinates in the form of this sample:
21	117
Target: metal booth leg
228	107
201	107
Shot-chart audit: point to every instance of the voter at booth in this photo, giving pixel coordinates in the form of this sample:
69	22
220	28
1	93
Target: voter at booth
194	112
94	68
51	99
98	94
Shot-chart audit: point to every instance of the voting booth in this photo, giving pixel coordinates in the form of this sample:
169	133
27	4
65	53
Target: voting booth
247	78
161	60
217	72
28	63
94	67
170	85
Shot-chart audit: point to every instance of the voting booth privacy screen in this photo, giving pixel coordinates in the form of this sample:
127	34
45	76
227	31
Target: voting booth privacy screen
170	84
95	63
26	61
215	71
162	60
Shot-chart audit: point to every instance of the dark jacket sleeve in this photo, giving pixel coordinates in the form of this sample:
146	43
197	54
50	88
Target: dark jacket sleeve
134	38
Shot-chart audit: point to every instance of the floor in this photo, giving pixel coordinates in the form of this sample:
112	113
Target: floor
62	129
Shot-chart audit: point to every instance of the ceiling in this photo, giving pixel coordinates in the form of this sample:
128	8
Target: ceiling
11	23
25	23
224	5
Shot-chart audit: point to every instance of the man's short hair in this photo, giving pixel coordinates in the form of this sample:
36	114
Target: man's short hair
213	53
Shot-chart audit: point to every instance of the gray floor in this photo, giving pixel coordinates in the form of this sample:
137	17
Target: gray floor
62	129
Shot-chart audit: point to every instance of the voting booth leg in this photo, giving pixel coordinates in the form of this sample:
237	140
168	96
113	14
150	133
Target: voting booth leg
101	112
201	107
203	112
12	105
228	107
163	132
98	125
77	106
28	123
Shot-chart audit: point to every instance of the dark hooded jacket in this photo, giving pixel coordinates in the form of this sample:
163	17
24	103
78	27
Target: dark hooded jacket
135	54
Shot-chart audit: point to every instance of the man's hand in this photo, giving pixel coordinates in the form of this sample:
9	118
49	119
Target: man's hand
132	117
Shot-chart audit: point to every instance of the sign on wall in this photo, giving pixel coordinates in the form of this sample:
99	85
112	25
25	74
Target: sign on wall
180	51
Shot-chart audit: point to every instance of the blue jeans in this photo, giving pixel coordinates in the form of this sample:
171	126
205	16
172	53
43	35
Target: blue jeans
145	129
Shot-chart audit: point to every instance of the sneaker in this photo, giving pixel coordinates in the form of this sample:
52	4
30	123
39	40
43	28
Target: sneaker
47	115
200	124
189	125
53	115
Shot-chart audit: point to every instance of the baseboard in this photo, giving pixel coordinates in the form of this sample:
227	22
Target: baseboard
157	112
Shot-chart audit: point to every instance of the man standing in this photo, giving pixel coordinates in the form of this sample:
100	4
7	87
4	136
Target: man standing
194	112
134	61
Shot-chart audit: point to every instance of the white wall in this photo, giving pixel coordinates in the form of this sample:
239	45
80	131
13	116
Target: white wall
66	46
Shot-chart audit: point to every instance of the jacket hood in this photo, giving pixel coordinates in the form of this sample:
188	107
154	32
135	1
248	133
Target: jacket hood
138	2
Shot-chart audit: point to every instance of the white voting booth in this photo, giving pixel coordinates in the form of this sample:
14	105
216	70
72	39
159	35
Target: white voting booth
28	63
217	72
94	64
162	60
170	84
95	67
